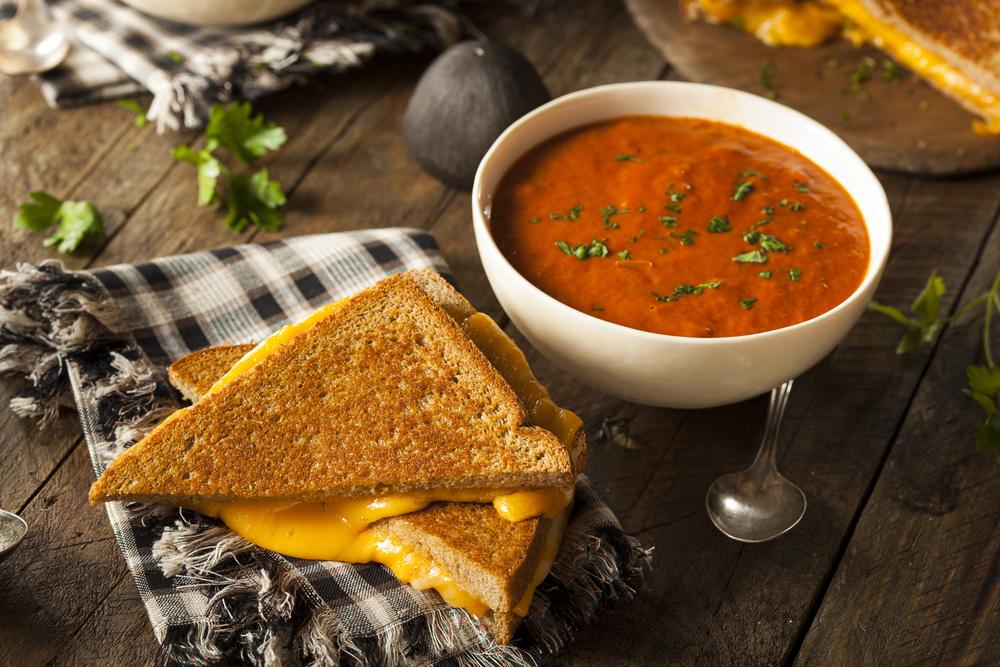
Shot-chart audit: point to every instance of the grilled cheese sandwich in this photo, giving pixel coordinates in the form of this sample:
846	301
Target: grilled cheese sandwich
370	528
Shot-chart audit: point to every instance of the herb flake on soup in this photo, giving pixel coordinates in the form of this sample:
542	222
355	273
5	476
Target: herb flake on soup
637	212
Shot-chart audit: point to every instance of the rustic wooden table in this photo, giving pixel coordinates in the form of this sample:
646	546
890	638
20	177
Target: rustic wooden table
896	562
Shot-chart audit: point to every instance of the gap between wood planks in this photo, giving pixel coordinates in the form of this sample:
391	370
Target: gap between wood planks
807	623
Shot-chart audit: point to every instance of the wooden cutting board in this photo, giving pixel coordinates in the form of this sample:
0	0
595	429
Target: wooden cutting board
902	125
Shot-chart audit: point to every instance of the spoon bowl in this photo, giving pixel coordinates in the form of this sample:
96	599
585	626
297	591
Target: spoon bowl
758	504
12	530
31	42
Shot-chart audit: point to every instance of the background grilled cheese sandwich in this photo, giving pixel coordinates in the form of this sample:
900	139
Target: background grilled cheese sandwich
955	46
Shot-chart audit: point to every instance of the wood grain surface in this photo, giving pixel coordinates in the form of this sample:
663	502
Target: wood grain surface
904	125
896	562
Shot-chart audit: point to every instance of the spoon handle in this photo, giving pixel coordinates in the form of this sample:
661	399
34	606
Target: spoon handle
775	412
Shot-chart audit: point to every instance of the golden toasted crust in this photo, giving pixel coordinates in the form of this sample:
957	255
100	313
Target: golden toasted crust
412	405
480	549
195	374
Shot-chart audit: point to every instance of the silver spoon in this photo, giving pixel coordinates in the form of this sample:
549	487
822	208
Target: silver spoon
12	531
31	41
758	504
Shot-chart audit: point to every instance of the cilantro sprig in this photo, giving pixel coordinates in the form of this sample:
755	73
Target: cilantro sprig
250	198
75	220
923	322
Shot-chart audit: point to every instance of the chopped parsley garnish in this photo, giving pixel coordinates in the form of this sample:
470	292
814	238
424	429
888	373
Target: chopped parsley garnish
594	249
801	187
624	254
794	274
625	157
818	245
767	210
663	251
750	173
796	206
684	289
641	209
752	257
673	207
747	303
677	196
759	223
668	220
535	220
718	224
772	244
597	309
766	275
743	188
752	237
687	238
75	220
610	210
572	214
783	203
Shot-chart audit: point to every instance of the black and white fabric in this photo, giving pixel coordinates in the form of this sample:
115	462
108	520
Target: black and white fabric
119	51
100	341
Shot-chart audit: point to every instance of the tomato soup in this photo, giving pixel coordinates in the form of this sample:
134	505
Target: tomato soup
680	226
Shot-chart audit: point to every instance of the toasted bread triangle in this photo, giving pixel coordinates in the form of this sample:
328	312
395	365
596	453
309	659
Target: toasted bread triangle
489	557
384	395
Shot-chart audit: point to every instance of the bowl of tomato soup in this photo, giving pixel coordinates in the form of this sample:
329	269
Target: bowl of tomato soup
679	244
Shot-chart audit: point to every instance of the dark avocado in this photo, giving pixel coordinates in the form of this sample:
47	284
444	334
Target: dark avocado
465	99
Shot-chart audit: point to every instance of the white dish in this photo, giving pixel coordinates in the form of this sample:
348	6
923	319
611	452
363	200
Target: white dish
217	12
658	369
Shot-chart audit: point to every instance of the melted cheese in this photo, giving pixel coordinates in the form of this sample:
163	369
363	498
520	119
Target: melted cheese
928	65
778	22
340	529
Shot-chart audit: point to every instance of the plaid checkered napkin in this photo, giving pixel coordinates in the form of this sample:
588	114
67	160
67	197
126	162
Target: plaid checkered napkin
119	51
210	594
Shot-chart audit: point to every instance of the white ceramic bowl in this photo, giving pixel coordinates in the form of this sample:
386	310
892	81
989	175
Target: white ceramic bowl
217	12
658	369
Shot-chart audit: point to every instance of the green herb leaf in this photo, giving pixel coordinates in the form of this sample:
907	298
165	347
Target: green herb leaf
767	210
572	214
684	289
743	189
254	199
584	251
765	275
562	245
209	169
610	210
668	220
625	157
747	303
686	238
140	113
752	257
773	244
535	220
818	245
801	187
248	137
677	196
718	224
673	207
75	220
624	254
797	206
928	302
794	274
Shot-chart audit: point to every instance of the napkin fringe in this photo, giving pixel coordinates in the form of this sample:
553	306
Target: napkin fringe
48	314
264	613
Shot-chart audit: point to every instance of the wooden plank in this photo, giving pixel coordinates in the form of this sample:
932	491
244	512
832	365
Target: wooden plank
920	579
66	567
708	600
